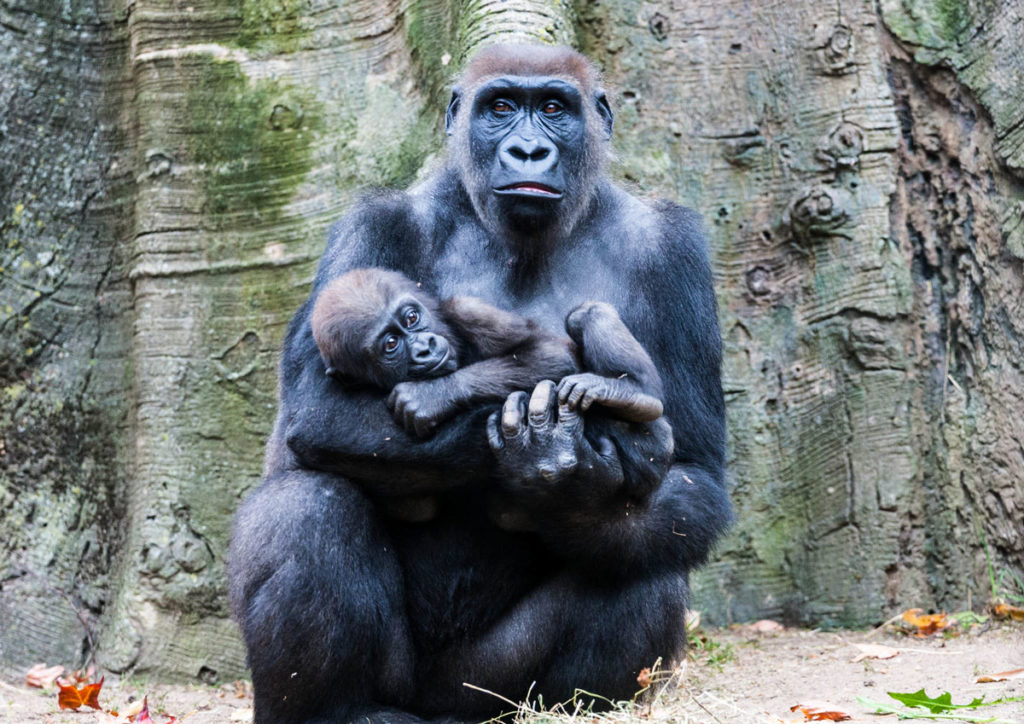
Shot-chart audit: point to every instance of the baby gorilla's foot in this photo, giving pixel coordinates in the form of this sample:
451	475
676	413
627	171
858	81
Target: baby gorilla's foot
582	390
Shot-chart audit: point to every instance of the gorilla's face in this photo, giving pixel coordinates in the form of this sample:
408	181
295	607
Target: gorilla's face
528	151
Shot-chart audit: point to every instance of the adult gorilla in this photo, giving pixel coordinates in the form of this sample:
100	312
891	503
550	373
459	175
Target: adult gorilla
351	614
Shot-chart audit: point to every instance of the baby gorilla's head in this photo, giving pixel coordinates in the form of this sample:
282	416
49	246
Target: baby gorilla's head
377	327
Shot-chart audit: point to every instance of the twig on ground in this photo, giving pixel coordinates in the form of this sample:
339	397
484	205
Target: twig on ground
894	619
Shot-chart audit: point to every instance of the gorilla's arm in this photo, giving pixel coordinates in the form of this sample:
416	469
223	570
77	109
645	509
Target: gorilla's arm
575	487
327	427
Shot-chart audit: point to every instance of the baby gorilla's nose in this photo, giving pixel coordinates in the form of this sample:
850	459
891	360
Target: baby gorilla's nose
425	347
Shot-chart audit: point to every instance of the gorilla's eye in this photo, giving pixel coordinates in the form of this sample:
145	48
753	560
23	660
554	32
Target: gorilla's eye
501	107
550	108
411	317
390	343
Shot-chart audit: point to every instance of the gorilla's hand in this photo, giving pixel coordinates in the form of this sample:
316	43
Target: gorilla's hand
541	451
420	407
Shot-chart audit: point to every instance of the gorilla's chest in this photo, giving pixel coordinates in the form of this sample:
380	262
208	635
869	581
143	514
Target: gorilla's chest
470	265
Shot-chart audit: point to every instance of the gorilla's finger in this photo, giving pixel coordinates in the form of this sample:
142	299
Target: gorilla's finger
542	404
424	427
566	388
494	438
577	392
569	420
409	418
606	449
512	414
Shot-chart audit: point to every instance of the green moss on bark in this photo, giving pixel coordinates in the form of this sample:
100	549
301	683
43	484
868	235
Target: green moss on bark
254	139
274	25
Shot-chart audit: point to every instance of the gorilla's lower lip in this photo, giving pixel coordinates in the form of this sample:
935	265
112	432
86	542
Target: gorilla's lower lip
529	188
438	369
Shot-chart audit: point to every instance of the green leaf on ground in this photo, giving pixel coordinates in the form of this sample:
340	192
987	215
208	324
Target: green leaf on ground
939	707
880	708
942	702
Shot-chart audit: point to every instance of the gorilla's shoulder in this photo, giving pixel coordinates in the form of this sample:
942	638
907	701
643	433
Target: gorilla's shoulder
374	214
658	228
381	228
682	228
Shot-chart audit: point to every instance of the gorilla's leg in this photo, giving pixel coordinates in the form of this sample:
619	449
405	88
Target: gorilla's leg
319	596
568	635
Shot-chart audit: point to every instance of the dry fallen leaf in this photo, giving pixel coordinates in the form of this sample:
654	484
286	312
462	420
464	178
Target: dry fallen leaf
644	678
926	624
820	713
71	698
42	676
1002	676
765	626
132	709
874	651
1005	610
78	677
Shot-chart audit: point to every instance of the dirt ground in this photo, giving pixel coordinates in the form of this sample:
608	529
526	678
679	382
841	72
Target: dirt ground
736	675
766	674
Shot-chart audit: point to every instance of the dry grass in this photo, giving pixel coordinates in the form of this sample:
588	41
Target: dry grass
673	697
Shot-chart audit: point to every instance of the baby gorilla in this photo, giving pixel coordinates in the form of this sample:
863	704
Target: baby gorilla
375	327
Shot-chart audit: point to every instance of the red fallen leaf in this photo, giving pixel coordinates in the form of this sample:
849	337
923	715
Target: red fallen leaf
71	698
1002	676
644	677
41	676
926	624
144	718
812	713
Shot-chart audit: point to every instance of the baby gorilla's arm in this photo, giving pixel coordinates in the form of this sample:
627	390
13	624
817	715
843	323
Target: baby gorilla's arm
517	355
619	374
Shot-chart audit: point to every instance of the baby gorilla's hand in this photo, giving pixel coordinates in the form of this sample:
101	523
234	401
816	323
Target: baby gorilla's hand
420	407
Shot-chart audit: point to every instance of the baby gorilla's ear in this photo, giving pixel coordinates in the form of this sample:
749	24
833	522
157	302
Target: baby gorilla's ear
344	380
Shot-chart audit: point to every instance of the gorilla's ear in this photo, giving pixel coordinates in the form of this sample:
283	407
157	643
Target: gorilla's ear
453	108
340	377
605	112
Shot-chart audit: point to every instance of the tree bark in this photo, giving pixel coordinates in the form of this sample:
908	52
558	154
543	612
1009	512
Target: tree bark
168	171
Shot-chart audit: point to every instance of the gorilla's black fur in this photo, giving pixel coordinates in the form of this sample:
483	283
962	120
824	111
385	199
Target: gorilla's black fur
351	615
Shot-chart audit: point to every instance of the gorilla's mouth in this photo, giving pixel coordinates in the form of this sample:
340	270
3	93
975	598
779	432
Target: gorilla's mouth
530	188
446	365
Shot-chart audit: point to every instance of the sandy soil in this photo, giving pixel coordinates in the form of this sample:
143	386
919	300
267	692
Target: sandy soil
745	677
229	704
769	673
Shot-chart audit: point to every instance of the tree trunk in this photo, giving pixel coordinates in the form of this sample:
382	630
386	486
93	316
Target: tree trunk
168	171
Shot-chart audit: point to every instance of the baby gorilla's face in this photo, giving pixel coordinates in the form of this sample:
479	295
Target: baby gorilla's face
409	343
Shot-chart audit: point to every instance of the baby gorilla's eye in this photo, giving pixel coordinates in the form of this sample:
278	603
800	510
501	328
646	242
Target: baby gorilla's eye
411	318
390	343
550	108
501	107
